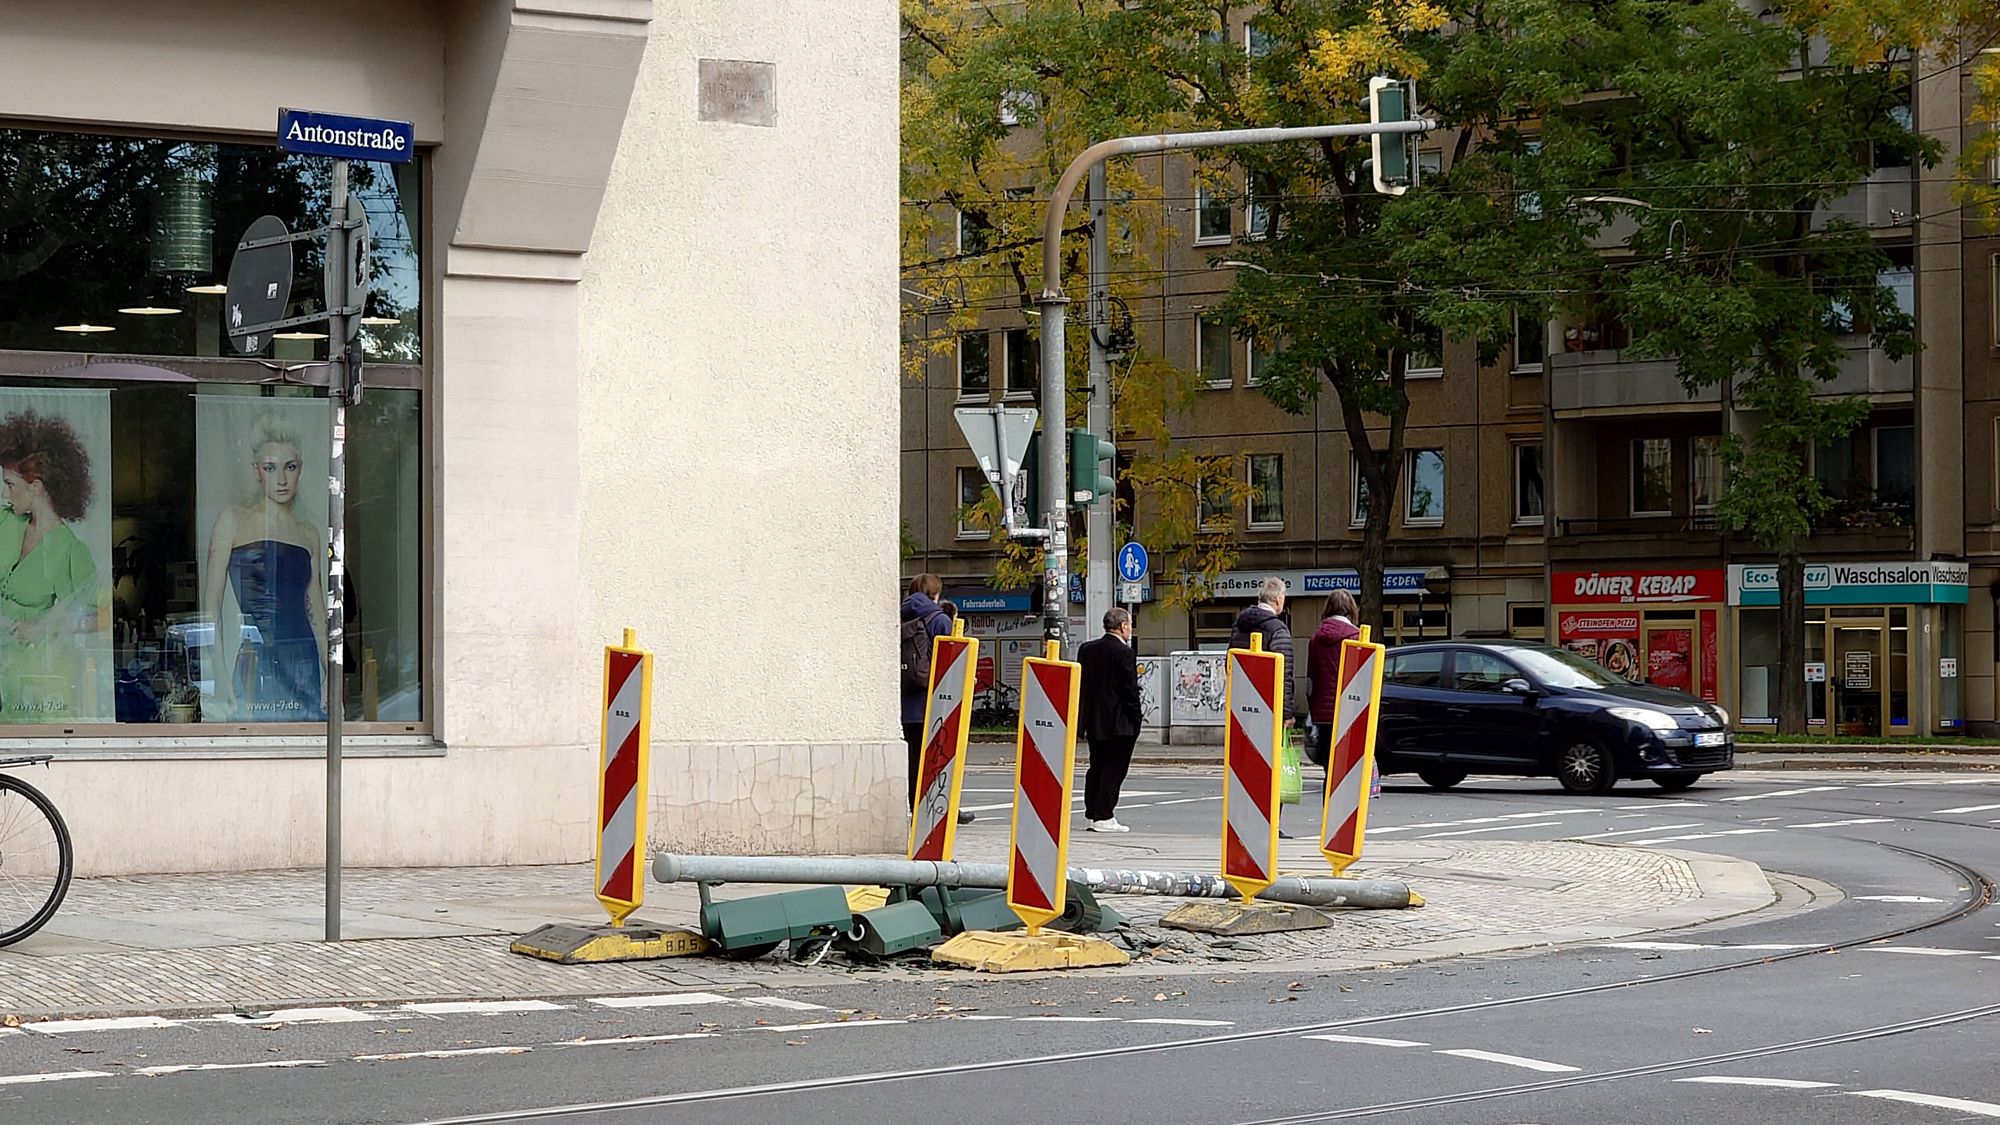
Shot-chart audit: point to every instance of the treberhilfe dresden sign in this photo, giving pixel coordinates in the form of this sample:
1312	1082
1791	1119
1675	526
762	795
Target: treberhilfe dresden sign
351	138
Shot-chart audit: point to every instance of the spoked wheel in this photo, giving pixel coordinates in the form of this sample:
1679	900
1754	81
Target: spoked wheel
34	859
1586	767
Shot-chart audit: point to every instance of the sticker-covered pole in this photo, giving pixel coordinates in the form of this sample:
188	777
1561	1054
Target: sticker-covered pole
336	548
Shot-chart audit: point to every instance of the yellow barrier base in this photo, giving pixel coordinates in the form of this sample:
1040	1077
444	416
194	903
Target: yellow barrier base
568	944
861	899
1237	919
1020	953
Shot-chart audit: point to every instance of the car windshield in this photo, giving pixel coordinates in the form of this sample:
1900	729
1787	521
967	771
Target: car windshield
1560	669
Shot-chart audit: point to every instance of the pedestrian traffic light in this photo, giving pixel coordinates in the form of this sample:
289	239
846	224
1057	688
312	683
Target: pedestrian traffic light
1394	160
1091	472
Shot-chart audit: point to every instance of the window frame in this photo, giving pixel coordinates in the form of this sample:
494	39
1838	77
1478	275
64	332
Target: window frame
1250	378
1253	231
1204	201
1539	519
1357	513
1540	363
965	530
1007	353
983	394
1697	459
1410	457
1203	325
958	243
1632	507
1252	523
1427	372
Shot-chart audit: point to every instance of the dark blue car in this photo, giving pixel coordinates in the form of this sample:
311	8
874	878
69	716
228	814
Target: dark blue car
1453	708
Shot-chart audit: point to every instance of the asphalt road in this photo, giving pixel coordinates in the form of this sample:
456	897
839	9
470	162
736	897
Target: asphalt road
1881	1007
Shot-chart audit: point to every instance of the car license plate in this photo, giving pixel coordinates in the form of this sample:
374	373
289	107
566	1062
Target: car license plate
1710	738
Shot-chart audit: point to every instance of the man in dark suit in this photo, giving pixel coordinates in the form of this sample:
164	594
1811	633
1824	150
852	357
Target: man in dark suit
1111	718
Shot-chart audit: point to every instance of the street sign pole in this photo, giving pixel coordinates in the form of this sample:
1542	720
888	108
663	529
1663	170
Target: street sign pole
338	352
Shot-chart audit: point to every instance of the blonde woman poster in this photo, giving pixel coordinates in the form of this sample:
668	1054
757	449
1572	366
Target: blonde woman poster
260	499
55	547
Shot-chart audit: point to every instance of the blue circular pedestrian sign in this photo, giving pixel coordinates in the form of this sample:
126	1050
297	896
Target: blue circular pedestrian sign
1132	562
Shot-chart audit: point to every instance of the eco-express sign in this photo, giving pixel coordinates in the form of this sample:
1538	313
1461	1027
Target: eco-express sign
1878	583
1636	587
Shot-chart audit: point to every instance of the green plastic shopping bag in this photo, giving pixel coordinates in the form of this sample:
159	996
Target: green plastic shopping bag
1291	786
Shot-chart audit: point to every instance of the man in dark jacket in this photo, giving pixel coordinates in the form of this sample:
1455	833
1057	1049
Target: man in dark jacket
921	604
1111	714
1263	617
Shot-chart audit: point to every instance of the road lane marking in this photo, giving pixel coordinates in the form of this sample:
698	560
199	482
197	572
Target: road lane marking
1704	836
1961	1105
1494	828
659	1000
482	1007
1786	793
1923	951
635	1039
1189	1023
830	1023
1368	1040
1069	1019
1077	800
1776	1083
1682	946
1373	831
120	1023
1894	898
1842	823
299	1015
1638	831
782	1002
58	1076
1655	805
454	1053
183	1068
1967	809
1513	1060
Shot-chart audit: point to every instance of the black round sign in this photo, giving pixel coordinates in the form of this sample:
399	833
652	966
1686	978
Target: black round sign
260	285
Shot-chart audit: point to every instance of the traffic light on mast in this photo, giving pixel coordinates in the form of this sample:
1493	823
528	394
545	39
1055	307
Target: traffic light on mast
1091	472
1394	154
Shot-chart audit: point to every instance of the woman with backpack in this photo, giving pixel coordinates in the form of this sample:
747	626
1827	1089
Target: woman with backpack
922	619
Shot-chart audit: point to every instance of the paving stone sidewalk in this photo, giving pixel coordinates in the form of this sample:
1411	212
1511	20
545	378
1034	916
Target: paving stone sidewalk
176	943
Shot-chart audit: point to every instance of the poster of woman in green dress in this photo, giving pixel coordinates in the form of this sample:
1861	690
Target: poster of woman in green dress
55	539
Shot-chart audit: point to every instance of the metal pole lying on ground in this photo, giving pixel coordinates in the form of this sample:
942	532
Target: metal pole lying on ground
1368	894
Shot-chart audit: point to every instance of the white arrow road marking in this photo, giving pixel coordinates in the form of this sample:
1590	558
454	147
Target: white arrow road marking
1842	823
1495	828
1968	809
1982	1109
1368	1040
1514	1060
1638	831
1895	898
1786	793
1776	1083
1704	836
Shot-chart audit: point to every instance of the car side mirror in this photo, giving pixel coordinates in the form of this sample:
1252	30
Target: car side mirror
1520	687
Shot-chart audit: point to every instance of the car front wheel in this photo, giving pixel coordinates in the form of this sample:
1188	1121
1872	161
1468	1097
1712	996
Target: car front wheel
1585	767
1441	778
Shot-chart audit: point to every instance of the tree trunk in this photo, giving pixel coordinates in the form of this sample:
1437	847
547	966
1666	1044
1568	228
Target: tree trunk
1791	638
1382	472
1370	564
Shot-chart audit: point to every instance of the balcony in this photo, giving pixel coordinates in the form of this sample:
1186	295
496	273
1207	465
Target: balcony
1884	201
1854	529
1586	382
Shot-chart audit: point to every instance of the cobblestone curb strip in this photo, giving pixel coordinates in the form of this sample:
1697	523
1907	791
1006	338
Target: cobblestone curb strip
201	944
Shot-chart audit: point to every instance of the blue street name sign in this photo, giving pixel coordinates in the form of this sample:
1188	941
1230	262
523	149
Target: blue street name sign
351	138
1132	562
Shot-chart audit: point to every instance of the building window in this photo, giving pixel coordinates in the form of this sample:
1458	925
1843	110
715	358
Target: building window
1211	215
179	575
1531	341
1260	211
1256	43
1211	342
1024	363
1528	504
1424	506
1016	105
1652	477
1267	491
1358	492
1896	465
1529	203
1528	621
974	378
1430	163
1216	512
1257	358
1901	281
1426	358
1706	473
971	233
971	491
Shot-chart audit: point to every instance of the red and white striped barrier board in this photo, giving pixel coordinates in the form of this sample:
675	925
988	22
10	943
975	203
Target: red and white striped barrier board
1255	702
1352	758
947	724
621	790
1044	763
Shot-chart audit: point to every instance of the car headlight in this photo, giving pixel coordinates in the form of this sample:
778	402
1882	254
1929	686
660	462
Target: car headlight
1647	717
1721	715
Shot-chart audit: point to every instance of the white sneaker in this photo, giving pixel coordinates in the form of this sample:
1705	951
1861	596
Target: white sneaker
1110	825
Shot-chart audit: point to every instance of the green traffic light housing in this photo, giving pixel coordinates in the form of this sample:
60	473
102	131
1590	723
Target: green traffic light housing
1091	468
1394	155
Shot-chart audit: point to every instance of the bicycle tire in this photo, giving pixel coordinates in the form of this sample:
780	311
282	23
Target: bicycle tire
36	802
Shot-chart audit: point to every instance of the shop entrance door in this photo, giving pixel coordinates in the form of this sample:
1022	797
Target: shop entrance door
1670	660
1858	670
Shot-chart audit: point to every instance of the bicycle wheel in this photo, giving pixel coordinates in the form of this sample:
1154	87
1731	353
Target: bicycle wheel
34	859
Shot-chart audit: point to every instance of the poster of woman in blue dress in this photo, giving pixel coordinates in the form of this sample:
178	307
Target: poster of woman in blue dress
55	533
262	491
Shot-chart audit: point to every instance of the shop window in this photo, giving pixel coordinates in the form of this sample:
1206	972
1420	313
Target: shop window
1408	624
1211	341
1528	502
1267	491
1528	622
1705	456
1024	363
1757	665
121	244
1425	498
974	376
1950	653
1531	341
971	490
1212	221
1652	477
